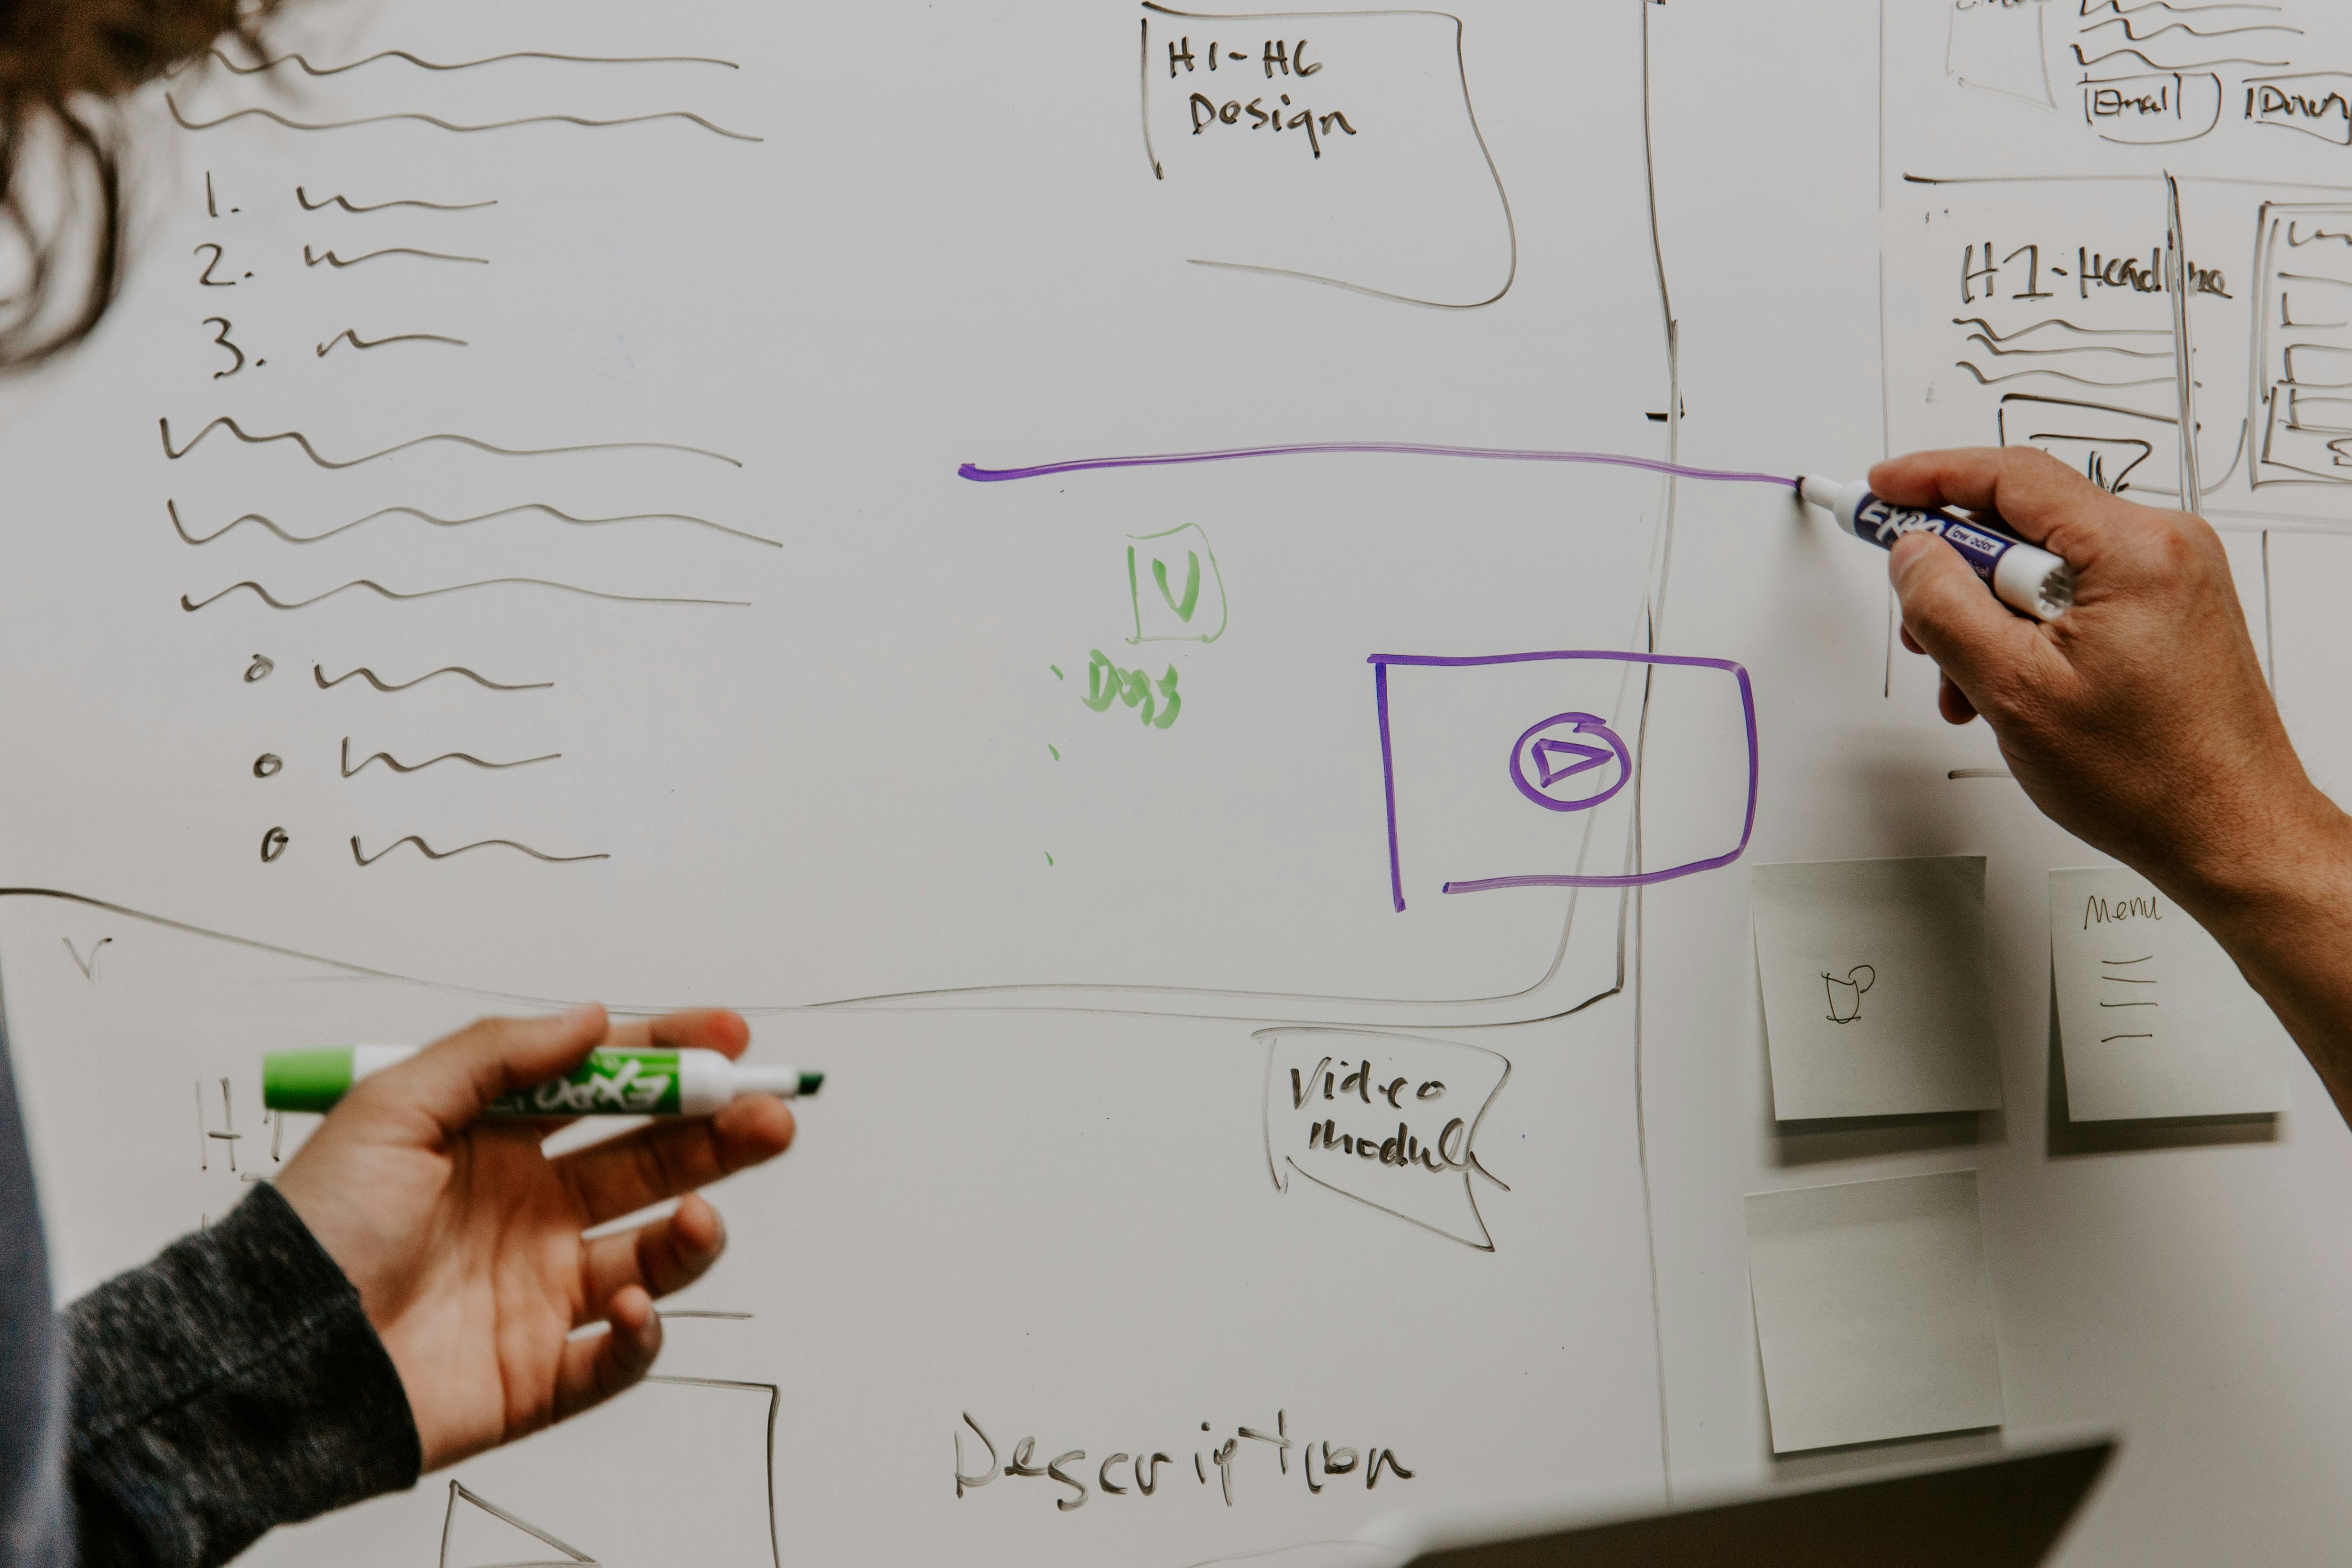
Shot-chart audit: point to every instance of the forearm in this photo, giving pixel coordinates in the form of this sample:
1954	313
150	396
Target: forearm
2282	909
231	1384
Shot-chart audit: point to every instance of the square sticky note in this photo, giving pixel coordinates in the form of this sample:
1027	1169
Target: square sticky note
2154	1018
1877	1000
1874	1311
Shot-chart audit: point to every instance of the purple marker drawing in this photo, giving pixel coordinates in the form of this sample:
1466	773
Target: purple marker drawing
1580	758
1380	663
1405	448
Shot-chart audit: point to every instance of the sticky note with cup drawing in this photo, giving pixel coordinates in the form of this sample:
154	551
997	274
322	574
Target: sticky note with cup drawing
1878	993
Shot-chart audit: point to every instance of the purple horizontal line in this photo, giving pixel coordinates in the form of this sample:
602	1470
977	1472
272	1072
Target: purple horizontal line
1405	448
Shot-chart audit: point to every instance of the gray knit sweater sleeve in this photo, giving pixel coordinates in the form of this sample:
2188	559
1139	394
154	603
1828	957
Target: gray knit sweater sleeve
231	1384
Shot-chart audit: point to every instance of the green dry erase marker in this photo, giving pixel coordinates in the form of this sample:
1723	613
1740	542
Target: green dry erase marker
650	1082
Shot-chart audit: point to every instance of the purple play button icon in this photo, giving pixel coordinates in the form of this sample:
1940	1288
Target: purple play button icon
1565	747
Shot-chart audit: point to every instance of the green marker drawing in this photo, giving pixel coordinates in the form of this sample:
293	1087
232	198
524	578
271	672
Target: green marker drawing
1058	671
1187	606
684	1083
1108	683
1049	857
1051	747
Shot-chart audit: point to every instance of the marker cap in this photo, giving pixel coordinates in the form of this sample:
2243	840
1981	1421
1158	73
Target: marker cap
306	1080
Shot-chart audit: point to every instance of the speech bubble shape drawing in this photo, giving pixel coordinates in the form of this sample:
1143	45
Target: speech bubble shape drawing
1391	1121
1333	147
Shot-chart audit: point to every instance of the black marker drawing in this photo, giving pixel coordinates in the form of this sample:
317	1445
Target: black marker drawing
431	854
88	964
221	338
205	278
396	765
268	62
2062	323
346	204
1845	996
2086	62
775	1399
1995	349
351	335
172	507
1462	71
1984	380
275	118
2108	975
331	259
449	1518
267	765
365	673
373	586
259	669
704	1312
2136	37
212	208
231	425
273	845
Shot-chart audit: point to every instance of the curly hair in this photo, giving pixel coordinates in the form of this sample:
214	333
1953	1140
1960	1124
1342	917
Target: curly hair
62	63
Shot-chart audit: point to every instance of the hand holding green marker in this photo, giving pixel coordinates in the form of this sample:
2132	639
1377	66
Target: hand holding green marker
648	1082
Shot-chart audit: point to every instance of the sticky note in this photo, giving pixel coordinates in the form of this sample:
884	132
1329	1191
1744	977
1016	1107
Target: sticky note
2154	1018
1877	997
1874	1311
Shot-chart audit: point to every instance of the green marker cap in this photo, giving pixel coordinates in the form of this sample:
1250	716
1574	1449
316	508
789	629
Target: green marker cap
306	1080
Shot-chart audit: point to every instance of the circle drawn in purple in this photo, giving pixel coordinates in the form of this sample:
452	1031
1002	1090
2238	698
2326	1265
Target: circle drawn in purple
1578	724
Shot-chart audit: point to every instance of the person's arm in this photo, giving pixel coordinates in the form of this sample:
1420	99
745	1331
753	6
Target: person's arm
2139	721
404	1296
231	1385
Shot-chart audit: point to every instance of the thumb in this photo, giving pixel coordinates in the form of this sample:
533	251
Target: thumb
452	1079
1950	613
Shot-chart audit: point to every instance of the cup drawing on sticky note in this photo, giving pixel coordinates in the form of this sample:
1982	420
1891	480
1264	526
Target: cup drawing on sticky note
1845	996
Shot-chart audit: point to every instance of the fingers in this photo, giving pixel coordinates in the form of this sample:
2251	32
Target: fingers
2027	488
660	1259
451	1080
598	1366
663	1159
706	1029
1949	613
1953	703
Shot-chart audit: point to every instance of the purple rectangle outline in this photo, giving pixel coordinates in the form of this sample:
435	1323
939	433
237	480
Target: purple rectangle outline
1380	662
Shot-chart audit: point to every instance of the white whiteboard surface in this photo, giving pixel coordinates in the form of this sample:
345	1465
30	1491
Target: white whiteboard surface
1043	1188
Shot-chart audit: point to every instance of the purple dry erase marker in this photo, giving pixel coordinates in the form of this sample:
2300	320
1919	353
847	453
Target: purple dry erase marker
2023	576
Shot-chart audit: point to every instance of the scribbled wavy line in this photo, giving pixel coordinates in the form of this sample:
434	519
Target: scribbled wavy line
396	765
1998	352
345	202
373	586
351	335
319	674
272	115
331	259
1986	327
1984	380
431	854
2120	9
2316	235
270	62
226	423
173	507
2124	23
2083	60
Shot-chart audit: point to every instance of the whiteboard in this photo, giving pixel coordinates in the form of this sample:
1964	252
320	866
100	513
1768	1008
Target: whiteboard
780	473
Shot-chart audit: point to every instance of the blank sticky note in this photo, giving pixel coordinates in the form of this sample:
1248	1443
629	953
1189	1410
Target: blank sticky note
1877	1000
1873	1310
2154	1019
